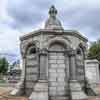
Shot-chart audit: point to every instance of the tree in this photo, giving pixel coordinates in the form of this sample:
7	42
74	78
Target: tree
3	65
94	51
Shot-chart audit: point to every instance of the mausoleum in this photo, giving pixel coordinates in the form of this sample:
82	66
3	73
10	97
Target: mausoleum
53	62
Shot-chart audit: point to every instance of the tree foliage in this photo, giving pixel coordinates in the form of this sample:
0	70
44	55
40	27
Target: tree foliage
94	51
3	65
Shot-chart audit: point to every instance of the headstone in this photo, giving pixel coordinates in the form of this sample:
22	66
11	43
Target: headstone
92	71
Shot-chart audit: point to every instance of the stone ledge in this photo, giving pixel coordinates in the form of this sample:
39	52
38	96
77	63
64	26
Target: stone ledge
40	91
76	92
18	89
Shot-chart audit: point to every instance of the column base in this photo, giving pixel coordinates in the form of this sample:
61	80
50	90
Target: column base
76	92
40	91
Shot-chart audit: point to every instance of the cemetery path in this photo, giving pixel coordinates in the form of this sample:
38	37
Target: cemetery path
93	98
4	94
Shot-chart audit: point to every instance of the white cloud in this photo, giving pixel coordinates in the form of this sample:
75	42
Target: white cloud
3	5
21	16
9	39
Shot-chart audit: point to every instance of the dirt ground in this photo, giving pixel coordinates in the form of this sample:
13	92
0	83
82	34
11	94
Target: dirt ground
5	94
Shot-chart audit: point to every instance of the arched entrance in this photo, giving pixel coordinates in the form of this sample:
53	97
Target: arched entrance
57	70
31	68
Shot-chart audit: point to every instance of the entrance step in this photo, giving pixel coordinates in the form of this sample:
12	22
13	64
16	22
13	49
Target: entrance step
59	98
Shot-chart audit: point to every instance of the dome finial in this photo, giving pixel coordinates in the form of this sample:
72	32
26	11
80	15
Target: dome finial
52	11
52	22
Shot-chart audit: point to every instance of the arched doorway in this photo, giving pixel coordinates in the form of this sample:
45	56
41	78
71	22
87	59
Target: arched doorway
31	68
57	66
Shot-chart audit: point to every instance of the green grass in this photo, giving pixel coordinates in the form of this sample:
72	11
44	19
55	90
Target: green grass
2	81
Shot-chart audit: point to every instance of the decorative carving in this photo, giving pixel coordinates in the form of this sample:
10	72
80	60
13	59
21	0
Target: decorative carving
43	51
58	39
53	23
81	45
25	46
71	52
53	11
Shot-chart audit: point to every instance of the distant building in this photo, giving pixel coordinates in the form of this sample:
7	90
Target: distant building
14	72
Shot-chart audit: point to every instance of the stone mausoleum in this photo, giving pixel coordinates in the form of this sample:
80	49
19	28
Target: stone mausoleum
53	62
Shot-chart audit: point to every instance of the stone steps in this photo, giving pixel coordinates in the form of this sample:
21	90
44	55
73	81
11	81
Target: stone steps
8	97
67	98
59	98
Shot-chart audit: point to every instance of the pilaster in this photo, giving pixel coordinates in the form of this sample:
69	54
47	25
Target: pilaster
41	87
76	92
72	64
43	60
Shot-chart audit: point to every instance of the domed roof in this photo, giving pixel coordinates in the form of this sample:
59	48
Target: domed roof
52	22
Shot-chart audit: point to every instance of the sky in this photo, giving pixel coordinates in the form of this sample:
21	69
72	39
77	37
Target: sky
18	17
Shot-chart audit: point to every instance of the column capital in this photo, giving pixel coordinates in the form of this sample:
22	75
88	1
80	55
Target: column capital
72	53
43	51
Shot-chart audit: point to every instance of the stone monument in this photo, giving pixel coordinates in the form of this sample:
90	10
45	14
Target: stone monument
53	62
92	71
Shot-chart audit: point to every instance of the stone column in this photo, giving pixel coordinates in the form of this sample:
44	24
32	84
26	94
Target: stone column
23	67
96	62
72	65
76	92
43	60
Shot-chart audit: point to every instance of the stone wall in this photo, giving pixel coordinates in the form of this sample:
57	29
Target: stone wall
32	71
92	71
80	70
35	67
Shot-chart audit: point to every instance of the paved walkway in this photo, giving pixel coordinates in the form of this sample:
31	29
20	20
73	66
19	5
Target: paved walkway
93	98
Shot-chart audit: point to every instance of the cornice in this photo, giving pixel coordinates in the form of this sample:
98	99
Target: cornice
55	32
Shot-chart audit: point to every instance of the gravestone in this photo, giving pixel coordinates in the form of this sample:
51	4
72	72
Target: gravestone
92	71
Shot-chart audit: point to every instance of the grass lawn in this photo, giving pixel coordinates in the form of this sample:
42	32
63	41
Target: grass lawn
2	81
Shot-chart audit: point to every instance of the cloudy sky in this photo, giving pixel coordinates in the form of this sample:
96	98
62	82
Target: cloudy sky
18	17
